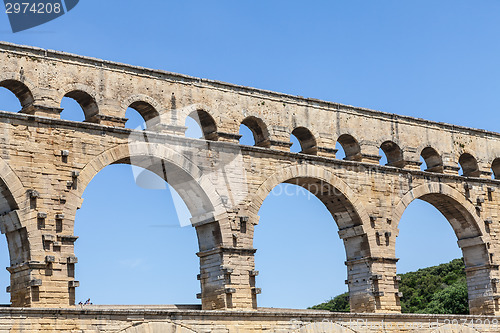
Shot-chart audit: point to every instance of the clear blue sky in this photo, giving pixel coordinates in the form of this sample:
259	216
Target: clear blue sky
437	60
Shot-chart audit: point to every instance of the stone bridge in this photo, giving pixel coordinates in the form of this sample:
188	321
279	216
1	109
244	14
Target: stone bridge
46	164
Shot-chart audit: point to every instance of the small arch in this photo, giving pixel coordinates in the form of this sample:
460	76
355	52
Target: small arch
206	123
147	111
307	140
495	168
393	153
469	165
135	120
19	89
432	159
351	147
86	101
259	131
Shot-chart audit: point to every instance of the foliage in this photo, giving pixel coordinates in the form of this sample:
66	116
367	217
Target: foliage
437	289
339	303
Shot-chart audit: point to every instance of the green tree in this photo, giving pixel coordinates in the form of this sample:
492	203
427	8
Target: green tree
437	289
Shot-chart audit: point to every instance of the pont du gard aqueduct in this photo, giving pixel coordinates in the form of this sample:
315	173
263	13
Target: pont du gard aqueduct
46	164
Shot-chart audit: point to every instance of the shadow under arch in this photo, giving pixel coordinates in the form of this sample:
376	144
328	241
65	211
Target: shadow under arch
351	147
469	165
393	153
472	239
495	168
308	143
342	203
433	160
259	131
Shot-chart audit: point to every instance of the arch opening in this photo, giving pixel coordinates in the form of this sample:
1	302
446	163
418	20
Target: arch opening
20	90
432	159
393	154
206	124
307	141
196	192
326	190
259	131
17	245
149	114
295	209
87	104
148	222
351	147
495	168
469	166
10	102
460	215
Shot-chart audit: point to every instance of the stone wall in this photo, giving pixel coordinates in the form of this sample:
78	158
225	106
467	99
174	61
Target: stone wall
184	320
46	164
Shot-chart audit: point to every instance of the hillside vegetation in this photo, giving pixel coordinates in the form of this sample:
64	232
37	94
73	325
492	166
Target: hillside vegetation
437	289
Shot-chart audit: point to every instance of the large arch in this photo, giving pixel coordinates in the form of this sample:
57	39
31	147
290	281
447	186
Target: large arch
182	174
472	237
14	224
206	206
310	175
349	215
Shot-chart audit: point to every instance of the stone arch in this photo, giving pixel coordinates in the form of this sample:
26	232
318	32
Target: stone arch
84	96
433	160
158	327
451	203
13	200
20	89
206	206
393	153
203	116
311	174
259	131
147	107
351	147
469	165
308	143
348	213
469	229
197	191
495	168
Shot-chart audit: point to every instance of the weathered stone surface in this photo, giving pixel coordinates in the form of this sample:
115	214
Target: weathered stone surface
151	319
46	164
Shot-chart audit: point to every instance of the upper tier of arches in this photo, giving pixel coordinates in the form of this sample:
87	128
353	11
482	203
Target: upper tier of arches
411	152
